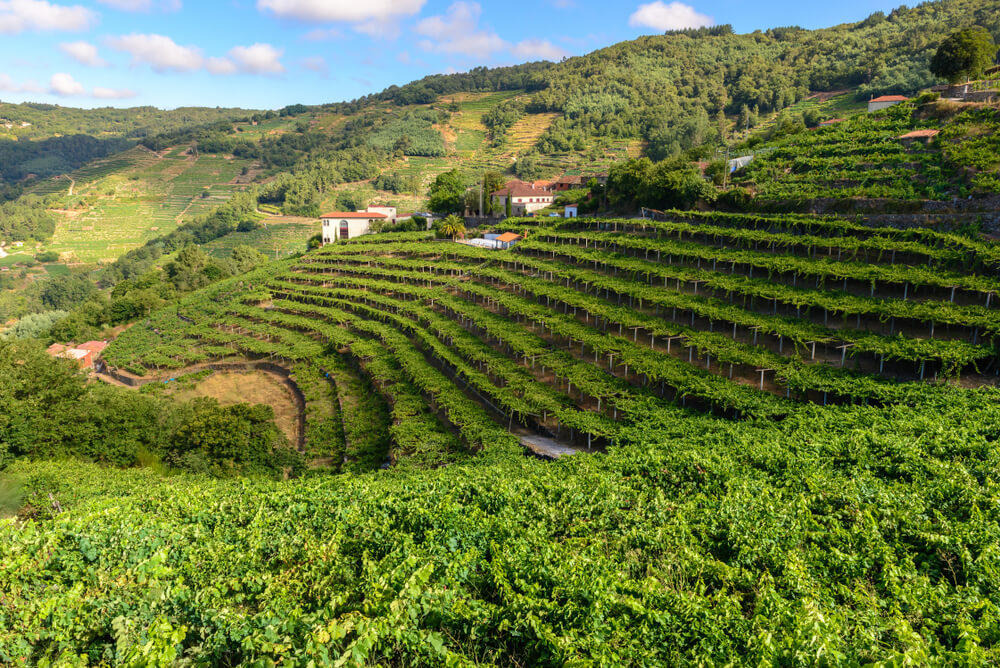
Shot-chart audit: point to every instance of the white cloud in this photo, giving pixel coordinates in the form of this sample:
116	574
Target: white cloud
20	15
458	32
315	64
8	85
112	93
378	29
662	16
323	34
537	49
258	59
65	85
159	52
142	5
164	55
345	11
84	53
221	66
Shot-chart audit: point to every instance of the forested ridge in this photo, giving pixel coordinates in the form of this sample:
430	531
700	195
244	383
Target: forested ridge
670	91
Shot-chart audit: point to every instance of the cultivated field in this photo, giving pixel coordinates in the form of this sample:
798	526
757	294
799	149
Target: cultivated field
115	205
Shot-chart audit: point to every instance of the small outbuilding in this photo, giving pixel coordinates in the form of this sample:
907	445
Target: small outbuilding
884	102
920	135
572	211
507	240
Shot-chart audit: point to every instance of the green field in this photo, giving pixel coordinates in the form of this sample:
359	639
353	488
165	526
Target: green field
277	239
124	202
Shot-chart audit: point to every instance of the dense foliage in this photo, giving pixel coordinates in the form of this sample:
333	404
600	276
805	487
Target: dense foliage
24	219
964	55
51	412
669	89
411	134
836	537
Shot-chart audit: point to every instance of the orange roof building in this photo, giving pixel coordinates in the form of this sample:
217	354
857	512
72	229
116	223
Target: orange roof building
884	102
507	239
921	134
525	198
355	215
96	347
342	225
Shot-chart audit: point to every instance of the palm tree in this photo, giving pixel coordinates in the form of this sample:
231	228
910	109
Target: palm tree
453	227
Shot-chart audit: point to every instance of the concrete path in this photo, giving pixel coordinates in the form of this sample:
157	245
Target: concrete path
545	447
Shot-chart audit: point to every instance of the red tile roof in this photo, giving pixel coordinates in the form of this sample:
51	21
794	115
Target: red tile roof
507	237
920	134
366	215
519	189
891	98
93	346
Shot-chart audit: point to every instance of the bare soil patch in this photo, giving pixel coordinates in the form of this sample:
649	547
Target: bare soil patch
254	387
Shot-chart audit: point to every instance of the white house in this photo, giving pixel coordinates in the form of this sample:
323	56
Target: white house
885	102
571	211
339	225
524	197
389	211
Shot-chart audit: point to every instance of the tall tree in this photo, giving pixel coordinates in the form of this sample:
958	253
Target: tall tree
964	55
447	192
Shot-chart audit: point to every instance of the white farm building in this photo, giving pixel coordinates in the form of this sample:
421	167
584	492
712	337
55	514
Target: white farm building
339	225
525	198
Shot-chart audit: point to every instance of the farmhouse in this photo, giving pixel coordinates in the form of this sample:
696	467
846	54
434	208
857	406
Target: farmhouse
885	102
84	354
525	198
338	225
567	182
389	211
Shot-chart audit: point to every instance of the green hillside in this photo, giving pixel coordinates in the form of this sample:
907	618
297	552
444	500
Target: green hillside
729	432
681	94
783	428
868	156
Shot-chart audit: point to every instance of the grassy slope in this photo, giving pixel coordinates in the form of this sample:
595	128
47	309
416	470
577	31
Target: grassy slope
121	202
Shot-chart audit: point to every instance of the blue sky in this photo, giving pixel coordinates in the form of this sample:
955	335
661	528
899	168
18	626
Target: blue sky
269	53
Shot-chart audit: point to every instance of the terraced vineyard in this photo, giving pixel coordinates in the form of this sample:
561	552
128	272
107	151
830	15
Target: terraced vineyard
589	324
865	156
119	203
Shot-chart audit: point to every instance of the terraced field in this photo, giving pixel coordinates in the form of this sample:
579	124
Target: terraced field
587	325
120	203
866	157
277	239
